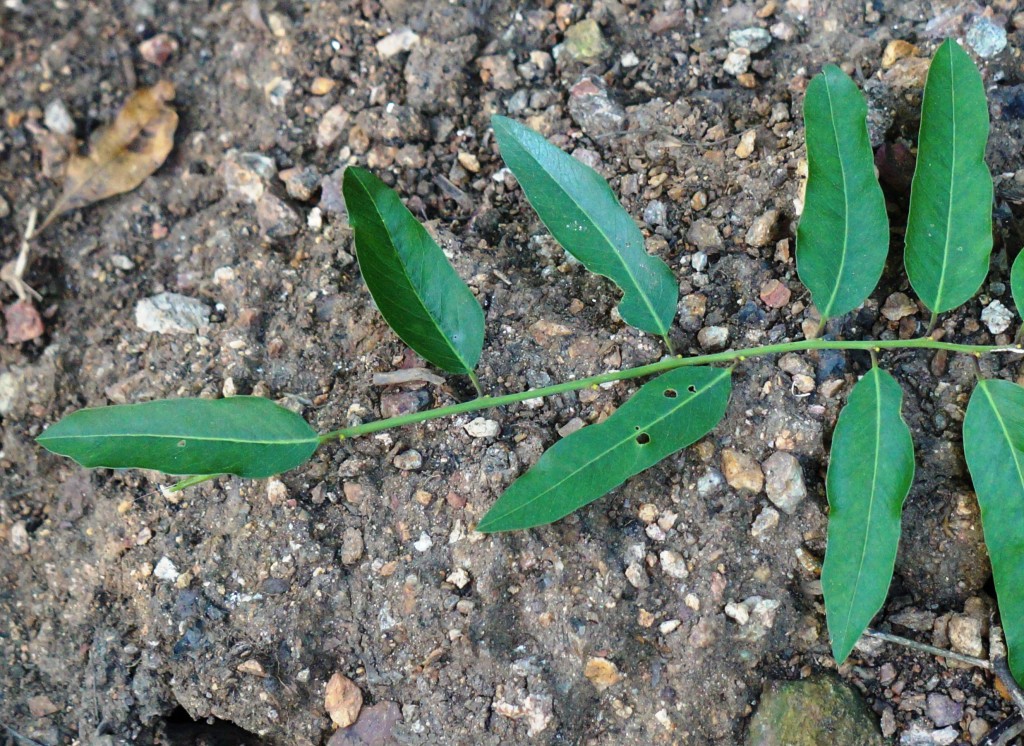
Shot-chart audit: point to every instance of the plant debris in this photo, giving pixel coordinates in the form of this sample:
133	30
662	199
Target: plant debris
123	154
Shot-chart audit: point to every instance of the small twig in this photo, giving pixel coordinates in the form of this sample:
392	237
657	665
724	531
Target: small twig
1005	732
20	737
12	272
930	649
997	653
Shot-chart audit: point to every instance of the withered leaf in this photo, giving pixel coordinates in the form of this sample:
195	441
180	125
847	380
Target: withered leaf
122	154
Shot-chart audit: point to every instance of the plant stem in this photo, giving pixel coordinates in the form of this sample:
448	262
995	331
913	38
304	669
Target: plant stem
668	344
476	383
730	356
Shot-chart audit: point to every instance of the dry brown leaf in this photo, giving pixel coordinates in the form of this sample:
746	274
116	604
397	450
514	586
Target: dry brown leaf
122	154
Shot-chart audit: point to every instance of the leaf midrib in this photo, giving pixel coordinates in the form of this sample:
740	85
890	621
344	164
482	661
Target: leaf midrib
184	436
827	312
952	172
635	282
726	372
405	273
871	501
1006	432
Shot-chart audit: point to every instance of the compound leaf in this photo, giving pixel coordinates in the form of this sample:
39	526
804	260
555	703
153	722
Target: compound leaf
843	236
417	291
669	413
994	447
580	210
1017	283
870	470
244	435
949	227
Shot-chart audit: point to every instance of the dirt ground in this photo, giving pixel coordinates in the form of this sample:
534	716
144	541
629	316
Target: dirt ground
128	615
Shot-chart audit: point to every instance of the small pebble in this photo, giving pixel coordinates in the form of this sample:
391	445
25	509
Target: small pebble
584	41
673	564
321	86
156	50
898	306
713	337
602	673
171	313
637	576
165	570
784	481
17	540
746	147
667	628
942	710
276	218
410	460
754	38
766	522
762	229
351	546
738	612
741	471
986	38
277	491
397	42
737	61
57	118
332	125
997	317
655	213
482	428
343	700
965	635
423	543
704	235
459	578
775	294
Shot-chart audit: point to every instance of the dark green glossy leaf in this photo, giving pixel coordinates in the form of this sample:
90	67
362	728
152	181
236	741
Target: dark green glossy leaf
669	413
244	435
949	227
580	210
994	447
843	236
870	471
1017	283
417	291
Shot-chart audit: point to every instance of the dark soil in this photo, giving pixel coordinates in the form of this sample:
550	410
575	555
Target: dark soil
346	564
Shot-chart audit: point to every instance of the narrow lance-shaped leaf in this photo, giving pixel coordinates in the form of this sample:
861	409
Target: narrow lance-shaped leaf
1017	283
580	210
244	435
843	236
665	415
949	227
417	291
994	447
870	470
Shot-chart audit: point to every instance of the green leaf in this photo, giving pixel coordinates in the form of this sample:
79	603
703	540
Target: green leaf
244	435
1017	283
994	447
843	236
870	471
667	414
417	291
580	210
949	227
